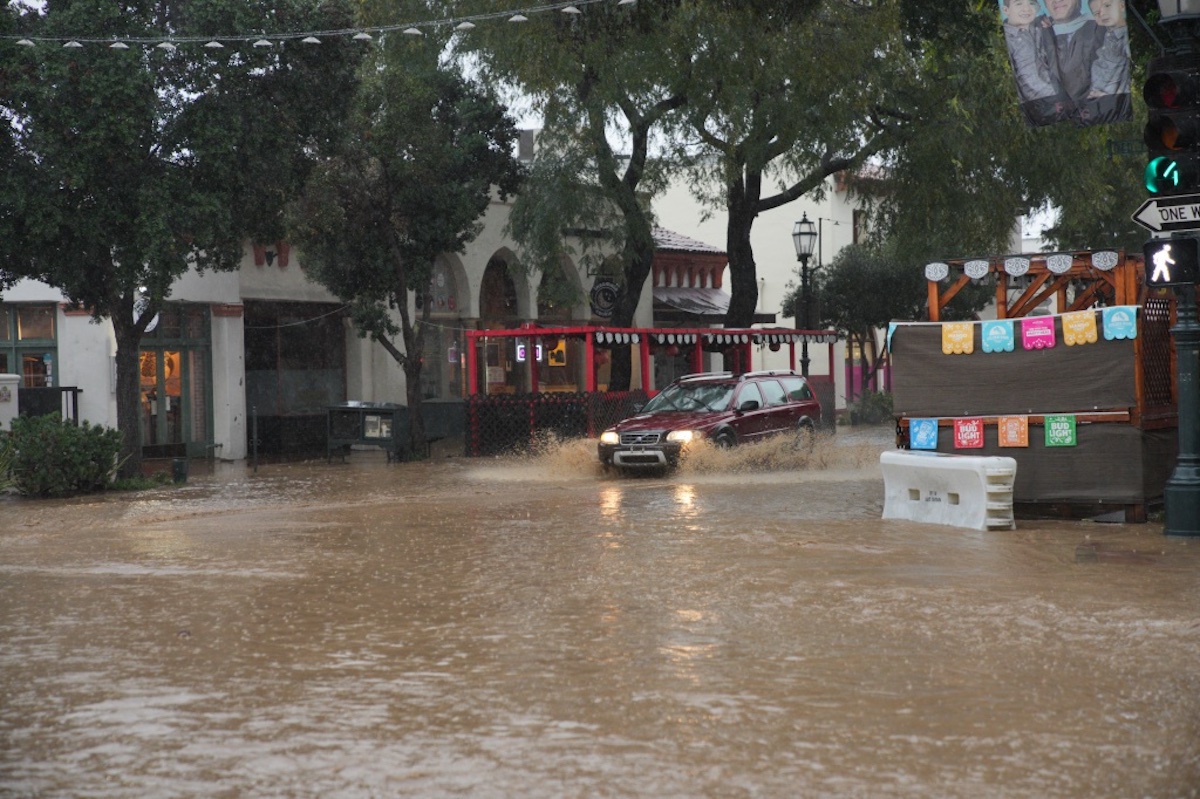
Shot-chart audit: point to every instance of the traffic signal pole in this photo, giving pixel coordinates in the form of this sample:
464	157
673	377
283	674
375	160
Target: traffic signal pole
1181	496
1172	177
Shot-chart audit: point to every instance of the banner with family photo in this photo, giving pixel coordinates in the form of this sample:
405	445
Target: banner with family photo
1070	59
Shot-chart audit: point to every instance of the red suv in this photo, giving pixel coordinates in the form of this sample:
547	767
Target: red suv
725	408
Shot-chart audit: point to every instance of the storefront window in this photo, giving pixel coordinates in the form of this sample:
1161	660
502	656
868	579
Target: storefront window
27	343
35	322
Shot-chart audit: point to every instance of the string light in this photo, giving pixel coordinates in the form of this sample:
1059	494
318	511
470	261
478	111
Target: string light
307	37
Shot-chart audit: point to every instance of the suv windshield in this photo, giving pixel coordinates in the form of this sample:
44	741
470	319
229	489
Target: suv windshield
694	397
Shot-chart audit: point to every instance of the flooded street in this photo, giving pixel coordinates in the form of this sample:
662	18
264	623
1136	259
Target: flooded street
748	627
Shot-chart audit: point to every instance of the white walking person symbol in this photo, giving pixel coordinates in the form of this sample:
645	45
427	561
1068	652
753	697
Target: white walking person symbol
1162	260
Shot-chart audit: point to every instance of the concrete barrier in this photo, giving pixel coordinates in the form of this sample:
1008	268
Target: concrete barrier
957	490
9	386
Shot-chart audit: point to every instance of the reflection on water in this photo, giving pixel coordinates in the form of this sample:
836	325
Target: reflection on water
746	627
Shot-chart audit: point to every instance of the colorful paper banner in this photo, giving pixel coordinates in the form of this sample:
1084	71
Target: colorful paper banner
968	433
1120	322
998	336
922	433
1060	430
1079	328
958	338
1037	332
1013	431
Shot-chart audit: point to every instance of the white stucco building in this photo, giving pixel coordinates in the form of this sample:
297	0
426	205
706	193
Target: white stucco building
263	348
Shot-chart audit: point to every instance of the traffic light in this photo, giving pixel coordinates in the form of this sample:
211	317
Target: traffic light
1172	262
1172	94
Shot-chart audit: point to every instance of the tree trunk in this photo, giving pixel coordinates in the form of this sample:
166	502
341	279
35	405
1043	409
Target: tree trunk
412	392
743	272
639	260
129	337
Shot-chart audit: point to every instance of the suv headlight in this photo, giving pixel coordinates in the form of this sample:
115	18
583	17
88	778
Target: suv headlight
682	436
610	437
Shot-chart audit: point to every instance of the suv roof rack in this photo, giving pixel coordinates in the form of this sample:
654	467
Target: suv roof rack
705	376
773	373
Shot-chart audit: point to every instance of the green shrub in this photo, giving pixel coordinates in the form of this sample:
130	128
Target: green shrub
54	458
872	407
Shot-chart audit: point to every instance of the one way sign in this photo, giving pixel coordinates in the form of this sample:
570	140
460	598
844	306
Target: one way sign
1162	214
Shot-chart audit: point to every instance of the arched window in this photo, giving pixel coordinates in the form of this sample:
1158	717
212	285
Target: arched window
497	295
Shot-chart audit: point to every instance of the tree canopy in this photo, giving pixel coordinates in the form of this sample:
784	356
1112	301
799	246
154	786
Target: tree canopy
759	103
122	169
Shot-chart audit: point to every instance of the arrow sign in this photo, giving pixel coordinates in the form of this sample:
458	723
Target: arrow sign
1160	214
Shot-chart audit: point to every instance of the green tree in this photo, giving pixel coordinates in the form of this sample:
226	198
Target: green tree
865	288
782	96
122	169
605	85
915	101
426	150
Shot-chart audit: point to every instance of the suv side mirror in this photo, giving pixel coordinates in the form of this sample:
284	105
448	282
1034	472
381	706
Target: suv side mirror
748	405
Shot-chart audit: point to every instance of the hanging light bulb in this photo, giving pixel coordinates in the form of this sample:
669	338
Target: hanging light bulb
118	46
72	45
465	26
362	36
25	42
626	2
571	10
518	18
215	45
413	32
165	46
262	43
310	40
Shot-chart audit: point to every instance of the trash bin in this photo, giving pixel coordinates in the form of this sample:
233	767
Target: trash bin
179	470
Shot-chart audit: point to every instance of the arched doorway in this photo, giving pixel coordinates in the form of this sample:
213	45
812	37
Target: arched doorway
501	364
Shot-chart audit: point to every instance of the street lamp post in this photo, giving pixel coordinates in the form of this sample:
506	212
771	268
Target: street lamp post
804	237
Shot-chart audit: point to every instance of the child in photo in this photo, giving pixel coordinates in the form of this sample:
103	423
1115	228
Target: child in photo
1029	36
1110	70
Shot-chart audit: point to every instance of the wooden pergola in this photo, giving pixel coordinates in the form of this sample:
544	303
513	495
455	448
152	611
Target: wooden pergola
1103	277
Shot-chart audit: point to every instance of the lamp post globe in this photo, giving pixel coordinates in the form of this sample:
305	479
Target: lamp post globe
804	239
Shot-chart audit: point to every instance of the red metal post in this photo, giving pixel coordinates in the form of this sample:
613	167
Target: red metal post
589	361
472	363
644	352
532	355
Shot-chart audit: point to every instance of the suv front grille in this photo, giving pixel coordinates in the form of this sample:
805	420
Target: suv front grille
639	439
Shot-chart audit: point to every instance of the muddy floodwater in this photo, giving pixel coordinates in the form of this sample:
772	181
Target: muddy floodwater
533	627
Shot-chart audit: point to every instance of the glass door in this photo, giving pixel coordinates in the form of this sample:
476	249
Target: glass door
162	403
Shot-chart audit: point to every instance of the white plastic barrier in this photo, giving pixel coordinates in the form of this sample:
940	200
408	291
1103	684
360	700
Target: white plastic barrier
957	490
8	400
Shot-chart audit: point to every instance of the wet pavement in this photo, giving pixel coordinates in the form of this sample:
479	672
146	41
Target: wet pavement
534	627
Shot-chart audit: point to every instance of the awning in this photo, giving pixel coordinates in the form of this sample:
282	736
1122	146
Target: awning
697	304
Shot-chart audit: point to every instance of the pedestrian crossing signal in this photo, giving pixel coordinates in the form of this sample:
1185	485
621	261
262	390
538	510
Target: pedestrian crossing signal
1172	262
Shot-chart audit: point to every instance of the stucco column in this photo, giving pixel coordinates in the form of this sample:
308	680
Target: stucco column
9	386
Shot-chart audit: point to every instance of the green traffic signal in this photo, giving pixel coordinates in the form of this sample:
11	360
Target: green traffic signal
1172	132
1162	174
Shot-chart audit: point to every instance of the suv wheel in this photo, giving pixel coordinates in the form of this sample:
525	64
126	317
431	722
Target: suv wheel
806	436
725	439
